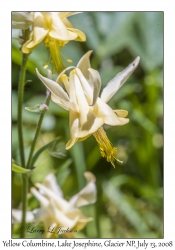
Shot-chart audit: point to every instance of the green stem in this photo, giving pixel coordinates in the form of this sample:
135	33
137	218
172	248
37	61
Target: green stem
20	102
20	133
25	177
37	133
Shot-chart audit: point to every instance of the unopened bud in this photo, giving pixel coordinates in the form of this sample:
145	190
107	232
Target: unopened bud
44	107
39	108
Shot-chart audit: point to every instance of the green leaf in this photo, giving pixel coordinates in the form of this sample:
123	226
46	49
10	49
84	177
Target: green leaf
19	169
63	172
125	207
42	149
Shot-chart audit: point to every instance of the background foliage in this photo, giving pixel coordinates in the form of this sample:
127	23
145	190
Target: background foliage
130	197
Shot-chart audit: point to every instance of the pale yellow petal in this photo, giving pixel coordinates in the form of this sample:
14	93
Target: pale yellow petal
57	101
80	35
90	177
67	23
63	219
71	142
114	85
72	91
39	32
74	126
82	221
59	31
81	100
57	91
84	64
51	182
96	80
88	194
88	92
21	20
102	110
61	203
121	112
91	126
44	202
66	14
17	216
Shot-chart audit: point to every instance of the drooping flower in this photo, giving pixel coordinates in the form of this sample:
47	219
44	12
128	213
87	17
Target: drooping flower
58	214
87	111
22	20
55	30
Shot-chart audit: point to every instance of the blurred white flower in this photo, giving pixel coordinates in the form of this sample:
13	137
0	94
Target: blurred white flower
87	111
17	216
22	20
56	212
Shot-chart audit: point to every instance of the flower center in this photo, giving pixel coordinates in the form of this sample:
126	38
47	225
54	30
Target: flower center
106	148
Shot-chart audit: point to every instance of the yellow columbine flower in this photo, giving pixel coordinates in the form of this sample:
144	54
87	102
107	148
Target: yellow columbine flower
55	30
87	111
58	214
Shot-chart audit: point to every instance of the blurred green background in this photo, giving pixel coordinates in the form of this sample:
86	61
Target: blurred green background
130	197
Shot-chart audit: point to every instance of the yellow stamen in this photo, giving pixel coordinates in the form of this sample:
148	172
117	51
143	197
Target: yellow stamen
54	48
106	148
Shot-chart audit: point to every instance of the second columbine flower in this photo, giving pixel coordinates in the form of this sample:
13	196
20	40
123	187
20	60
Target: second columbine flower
88	112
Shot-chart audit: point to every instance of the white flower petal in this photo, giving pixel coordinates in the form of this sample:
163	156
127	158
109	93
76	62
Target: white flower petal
102	110
88	91
81	100
17	216
61	203
63	220
84	64
74	126
90	177
96	80
87	195
44	202
22	20
92	124
40	214
57	91
51	183
59	31
114	85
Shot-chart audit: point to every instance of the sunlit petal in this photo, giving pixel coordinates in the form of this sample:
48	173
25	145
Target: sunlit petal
101	109
49	194
57	91
84	64
17	216
96	79
88	92
51	183
114	85
121	112
87	195
59	31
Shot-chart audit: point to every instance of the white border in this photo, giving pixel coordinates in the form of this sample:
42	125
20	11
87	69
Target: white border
5	95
